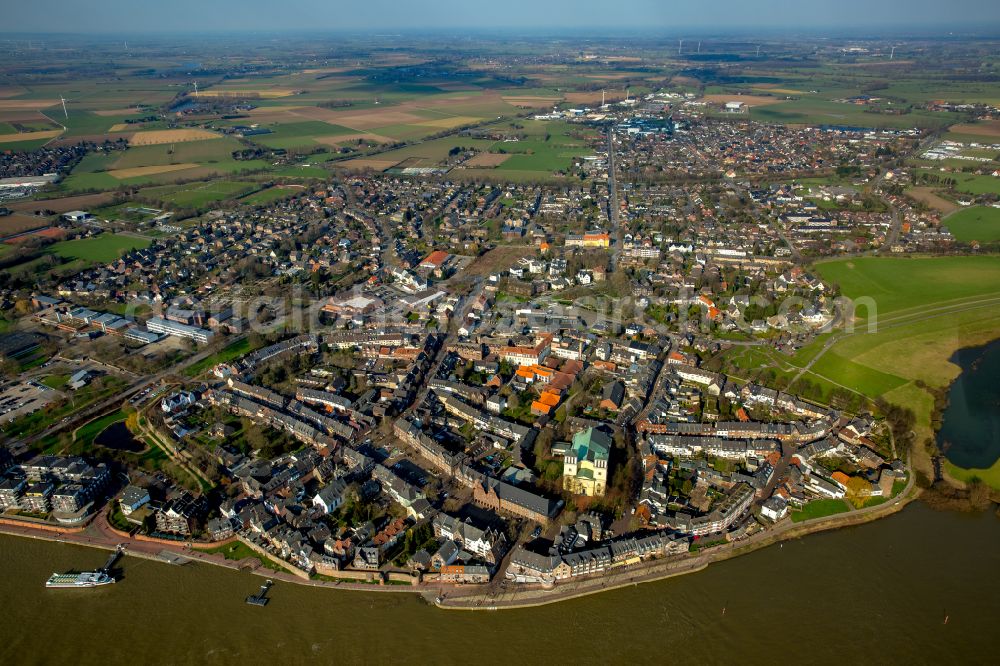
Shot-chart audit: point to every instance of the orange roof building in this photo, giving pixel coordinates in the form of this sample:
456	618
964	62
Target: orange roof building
549	398
540	407
525	373
840	478
435	259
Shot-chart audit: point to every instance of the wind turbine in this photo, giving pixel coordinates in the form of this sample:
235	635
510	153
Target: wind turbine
195	88
602	99
699	46
680	44
892	52
758	50
65	112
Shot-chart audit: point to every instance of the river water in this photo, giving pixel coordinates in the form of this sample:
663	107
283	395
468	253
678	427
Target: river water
877	593
970	425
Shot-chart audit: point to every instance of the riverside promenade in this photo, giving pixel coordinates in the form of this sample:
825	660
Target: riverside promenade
490	597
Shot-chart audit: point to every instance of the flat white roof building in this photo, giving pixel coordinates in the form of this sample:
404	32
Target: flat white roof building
161	325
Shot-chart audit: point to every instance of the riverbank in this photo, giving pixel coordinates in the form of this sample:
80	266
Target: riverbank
895	594
100	534
655	570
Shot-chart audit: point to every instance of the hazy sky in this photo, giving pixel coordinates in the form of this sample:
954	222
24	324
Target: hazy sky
122	16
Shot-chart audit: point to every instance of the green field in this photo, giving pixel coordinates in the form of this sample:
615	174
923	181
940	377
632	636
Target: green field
23	146
101	249
56	381
815	111
211	158
979	223
969	183
238	550
198	194
82	123
820	509
203	152
300	171
926	309
907	283
269	195
543	148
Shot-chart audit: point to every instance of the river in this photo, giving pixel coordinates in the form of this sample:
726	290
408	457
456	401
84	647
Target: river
877	593
970	425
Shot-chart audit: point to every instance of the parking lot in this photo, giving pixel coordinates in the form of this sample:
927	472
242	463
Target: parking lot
21	398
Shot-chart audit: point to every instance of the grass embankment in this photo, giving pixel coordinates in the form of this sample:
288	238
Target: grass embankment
237	551
988	475
88	432
820	509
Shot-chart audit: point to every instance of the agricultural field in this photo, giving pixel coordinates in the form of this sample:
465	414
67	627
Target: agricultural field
968	183
307	134
979	223
927	196
828	112
986	129
158	137
17	224
898	284
542	149
159	163
98	249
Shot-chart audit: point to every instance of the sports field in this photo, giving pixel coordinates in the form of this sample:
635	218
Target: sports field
100	249
269	195
979	223
199	194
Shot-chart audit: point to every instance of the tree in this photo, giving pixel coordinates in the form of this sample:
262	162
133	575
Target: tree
254	435
858	491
